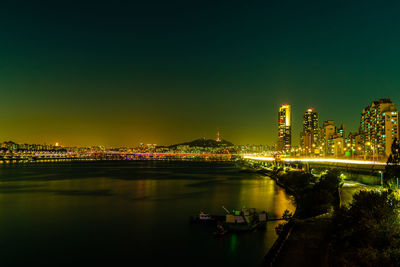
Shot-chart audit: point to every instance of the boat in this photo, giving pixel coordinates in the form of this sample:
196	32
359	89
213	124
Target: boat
203	218
245	220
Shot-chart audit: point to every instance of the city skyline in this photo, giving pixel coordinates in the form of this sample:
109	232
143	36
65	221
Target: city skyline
289	122
119	75
192	133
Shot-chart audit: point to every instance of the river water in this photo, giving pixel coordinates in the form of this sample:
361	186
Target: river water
131	213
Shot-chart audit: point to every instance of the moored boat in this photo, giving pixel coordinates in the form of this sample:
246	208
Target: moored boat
204	218
245	220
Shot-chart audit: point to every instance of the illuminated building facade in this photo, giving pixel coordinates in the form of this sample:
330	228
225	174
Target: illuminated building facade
328	132
378	128
353	145
341	132
338	146
284	128
309	138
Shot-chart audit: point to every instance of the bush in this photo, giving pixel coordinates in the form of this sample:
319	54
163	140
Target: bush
313	196
392	169
368	232
297	180
279	228
287	215
319	198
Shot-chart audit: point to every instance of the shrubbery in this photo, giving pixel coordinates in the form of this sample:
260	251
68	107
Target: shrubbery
314	195
368	232
287	215
392	170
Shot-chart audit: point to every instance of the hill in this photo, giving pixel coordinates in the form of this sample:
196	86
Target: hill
203	142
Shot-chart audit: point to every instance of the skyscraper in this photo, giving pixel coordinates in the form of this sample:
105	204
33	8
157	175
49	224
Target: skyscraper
328	132
378	127
309	137
284	128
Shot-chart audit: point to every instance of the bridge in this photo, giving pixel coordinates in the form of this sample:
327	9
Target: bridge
346	164
108	155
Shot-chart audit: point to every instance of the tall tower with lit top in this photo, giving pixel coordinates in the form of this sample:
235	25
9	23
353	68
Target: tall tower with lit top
310	135
218	137
284	128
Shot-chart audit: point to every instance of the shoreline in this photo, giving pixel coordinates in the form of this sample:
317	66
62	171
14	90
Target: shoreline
303	240
273	253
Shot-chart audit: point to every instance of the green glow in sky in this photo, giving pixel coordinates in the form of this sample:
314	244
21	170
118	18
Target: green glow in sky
110	73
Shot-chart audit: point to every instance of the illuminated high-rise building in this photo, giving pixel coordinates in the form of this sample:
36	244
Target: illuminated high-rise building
284	128
309	137
310	120
378	128
342	130
328	132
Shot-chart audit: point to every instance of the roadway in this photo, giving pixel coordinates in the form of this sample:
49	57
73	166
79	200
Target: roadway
326	162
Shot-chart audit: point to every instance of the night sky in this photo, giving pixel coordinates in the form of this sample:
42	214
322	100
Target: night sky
124	72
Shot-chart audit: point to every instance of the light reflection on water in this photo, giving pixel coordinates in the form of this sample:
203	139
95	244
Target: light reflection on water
130	212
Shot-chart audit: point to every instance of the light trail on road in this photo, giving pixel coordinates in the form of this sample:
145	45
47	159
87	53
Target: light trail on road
324	160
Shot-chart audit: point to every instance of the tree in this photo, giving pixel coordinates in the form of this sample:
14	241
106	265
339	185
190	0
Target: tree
392	169
368	232
279	228
287	215
331	180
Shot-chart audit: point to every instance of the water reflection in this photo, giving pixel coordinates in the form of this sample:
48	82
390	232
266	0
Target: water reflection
130	212
233	243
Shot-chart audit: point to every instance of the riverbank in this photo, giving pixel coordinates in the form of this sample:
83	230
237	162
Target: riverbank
304	240
307	244
273	253
365	233
359	226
